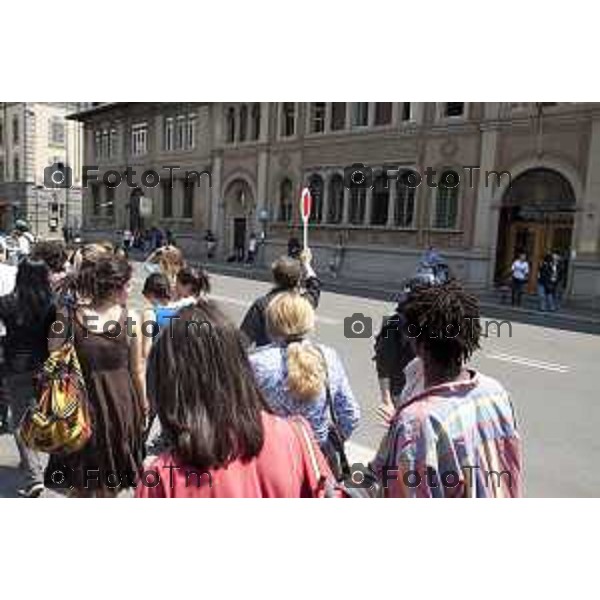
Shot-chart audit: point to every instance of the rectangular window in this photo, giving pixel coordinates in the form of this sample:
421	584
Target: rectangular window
360	114
317	117
446	209
106	143
1	170
383	113
139	139
190	137
180	133
56	132
455	109
338	116
15	129
288	119
98	144
96	200
1	133
112	143
167	194
406	113
169	134
188	199
110	201
16	169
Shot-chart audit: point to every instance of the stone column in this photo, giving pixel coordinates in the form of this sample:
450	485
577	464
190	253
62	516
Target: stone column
371	119
368	206
262	187
483	226
325	200
392	204
587	226
346	211
215	199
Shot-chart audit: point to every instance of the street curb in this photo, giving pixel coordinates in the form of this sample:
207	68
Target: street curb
561	320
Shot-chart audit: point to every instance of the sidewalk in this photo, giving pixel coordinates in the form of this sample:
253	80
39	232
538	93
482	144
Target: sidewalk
579	319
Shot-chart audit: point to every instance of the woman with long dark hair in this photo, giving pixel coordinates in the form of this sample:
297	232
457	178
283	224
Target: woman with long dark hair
107	340
222	439
27	313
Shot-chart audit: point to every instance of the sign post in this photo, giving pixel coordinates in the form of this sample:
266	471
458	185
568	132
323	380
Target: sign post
305	208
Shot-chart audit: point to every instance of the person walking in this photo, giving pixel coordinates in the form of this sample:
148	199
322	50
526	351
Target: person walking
252	248
167	260
548	279
211	244
110	355
520	275
222	440
288	274
458	437
27	313
299	377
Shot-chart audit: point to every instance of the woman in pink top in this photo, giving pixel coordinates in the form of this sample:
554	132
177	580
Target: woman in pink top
222	440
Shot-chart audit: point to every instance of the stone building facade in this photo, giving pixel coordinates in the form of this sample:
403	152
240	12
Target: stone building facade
497	178
34	136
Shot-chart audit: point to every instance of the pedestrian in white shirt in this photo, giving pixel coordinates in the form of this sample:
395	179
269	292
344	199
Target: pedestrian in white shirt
520	275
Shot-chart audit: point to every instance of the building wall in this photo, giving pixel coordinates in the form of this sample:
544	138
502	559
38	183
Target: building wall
493	136
22	189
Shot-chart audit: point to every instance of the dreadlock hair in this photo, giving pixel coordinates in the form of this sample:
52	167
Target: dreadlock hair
444	321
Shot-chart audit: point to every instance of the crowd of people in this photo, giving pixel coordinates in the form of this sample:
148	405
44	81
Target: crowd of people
202	407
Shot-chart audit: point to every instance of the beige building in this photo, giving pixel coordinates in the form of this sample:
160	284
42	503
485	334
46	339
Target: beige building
33	137
260	155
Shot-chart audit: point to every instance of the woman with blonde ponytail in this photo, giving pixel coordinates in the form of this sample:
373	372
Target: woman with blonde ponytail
296	374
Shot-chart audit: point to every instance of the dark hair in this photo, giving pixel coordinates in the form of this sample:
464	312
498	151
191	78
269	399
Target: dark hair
32	289
102	277
53	254
157	285
287	272
202	383
196	279
446	318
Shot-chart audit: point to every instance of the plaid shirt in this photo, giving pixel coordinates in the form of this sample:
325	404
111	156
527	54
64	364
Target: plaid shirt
449	437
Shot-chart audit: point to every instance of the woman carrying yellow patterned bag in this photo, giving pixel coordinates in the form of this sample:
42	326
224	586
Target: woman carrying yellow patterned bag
60	422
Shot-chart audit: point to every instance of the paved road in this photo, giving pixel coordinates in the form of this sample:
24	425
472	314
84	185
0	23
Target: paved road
551	374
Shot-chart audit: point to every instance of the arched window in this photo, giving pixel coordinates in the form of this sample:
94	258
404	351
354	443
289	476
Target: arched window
446	206
406	190
336	199
285	200
230	125
358	200
243	123
381	200
315	184
256	120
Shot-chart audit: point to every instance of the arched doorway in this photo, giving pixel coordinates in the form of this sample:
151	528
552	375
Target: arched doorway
537	216
239	212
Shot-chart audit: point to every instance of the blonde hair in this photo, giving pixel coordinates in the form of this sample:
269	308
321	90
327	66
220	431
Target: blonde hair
290	317
170	260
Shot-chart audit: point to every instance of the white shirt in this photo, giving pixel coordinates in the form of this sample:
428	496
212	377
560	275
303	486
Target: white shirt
24	244
520	270
8	277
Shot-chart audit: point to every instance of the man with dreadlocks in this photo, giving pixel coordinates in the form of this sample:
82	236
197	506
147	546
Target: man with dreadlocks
457	437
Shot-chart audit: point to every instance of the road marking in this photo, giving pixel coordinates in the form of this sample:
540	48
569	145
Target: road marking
246	304
529	362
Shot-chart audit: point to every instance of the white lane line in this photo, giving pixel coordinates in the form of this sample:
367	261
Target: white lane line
246	304
529	362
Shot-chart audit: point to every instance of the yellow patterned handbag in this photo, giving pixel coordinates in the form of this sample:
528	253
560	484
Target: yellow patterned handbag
60	422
